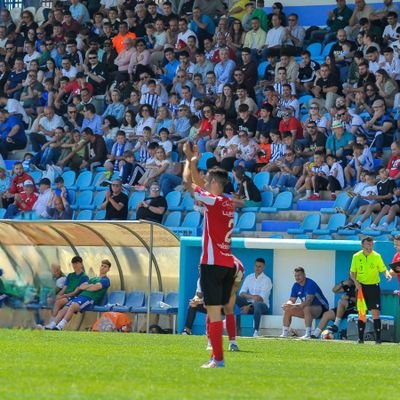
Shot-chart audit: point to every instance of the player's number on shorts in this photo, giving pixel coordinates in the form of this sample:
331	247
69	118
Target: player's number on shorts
228	236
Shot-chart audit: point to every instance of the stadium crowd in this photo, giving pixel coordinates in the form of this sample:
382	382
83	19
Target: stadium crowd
120	86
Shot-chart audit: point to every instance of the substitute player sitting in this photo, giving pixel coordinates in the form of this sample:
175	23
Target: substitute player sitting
90	292
217	270
345	307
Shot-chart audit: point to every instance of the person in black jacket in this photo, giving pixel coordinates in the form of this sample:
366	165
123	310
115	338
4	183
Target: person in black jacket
247	194
154	207
95	150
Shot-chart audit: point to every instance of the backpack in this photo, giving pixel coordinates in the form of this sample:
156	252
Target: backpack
113	322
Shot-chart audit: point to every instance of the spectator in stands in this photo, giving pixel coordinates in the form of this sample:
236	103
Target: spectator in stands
14	84
5	182
226	101
390	210
92	120
154	207
385	188
79	12
336	176
393	165
289	170
131	171
154	168
326	89
12	133
340	143
365	77
378	127
294	35
116	202
306	301
236	37
275	37
365	99
90	292
255	39
315	140
246	153
267	121
277	9
23	201
202	25
307	72
389	33
362	160
243	98
375	59
247	194
224	69
361	10
315	115
345	307
277	152
115	157
96	73
288	62
289	123
255	293
246	121
40	206
95	150
58	208
387	86
50	151
26	23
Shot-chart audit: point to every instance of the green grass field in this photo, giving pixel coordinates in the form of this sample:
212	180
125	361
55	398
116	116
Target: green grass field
82	365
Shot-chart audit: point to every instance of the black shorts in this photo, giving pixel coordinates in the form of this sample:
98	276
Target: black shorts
216	283
351	309
372	296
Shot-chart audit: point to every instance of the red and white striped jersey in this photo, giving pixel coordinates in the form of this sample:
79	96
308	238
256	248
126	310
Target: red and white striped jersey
239	269
218	227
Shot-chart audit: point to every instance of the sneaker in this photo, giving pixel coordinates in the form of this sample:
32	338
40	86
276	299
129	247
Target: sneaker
56	328
314	196
333	328
314	337
305	337
275	191
256	334
359	341
213	364
382	227
233	347
139	188
186	332
333	196
209	347
374	227
379	341
39	327
284	335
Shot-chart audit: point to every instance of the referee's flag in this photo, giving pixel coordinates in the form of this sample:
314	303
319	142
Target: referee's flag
361	306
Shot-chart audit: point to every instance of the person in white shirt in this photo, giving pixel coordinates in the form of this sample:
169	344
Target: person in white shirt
389	33
45	193
255	293
336	175
375	60
67	69
183	35
275	38
392	63
31	54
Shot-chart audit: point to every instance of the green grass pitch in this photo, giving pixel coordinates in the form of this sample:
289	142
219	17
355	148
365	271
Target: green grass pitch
83	365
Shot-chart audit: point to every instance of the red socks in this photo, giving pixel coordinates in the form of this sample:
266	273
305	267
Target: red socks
230	326
215	332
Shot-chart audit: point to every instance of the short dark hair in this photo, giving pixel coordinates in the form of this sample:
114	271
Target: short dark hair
299	269
260	259
219	174
76	259
367	239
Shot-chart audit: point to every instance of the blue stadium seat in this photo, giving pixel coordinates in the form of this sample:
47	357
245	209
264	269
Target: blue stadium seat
261	69
2	212
192	220
83	201
351	232
115	298
174	156
342	202
326	50
188	202
315	49
97	202
69	178
282	202
96	179
36	176
173	199
155	298
133	300
168	307
246	222
173	219
390	228
310	222
202	163
100	215
261	179
84	215
83	181
267	198
335	222
135	199
42	303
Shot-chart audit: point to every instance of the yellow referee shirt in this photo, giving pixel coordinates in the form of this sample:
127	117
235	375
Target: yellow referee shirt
367	268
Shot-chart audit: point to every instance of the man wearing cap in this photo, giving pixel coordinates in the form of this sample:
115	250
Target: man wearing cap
40	207
23	201
154	207
70	288
116	202
340	143
12	133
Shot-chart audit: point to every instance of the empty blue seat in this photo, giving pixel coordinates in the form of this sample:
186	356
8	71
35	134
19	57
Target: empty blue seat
84	215
351	232
36	176
261	69
84	200
246	222
100	215
314	49
282	202
83	181
2	212
97	202
173	219
261	179
169	306
310	222
173	199
133	300
326	50
267	199
387	229
155	298
135	199
115	298
202	163
342	202
69	178
335	222
192	220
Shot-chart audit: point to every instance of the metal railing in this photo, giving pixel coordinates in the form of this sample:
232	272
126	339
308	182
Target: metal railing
10	4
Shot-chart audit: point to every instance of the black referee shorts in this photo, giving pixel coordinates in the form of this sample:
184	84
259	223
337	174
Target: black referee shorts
216	283
372	296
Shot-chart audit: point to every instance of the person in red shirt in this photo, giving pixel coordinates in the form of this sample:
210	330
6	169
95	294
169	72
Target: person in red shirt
17	183
291	124
208	128
217	271
396	259
393	165
23	201
75	87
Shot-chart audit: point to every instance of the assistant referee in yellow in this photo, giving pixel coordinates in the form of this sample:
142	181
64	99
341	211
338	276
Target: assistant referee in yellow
365	268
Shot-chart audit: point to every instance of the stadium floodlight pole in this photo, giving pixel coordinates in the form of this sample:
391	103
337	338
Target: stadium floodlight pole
149	277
